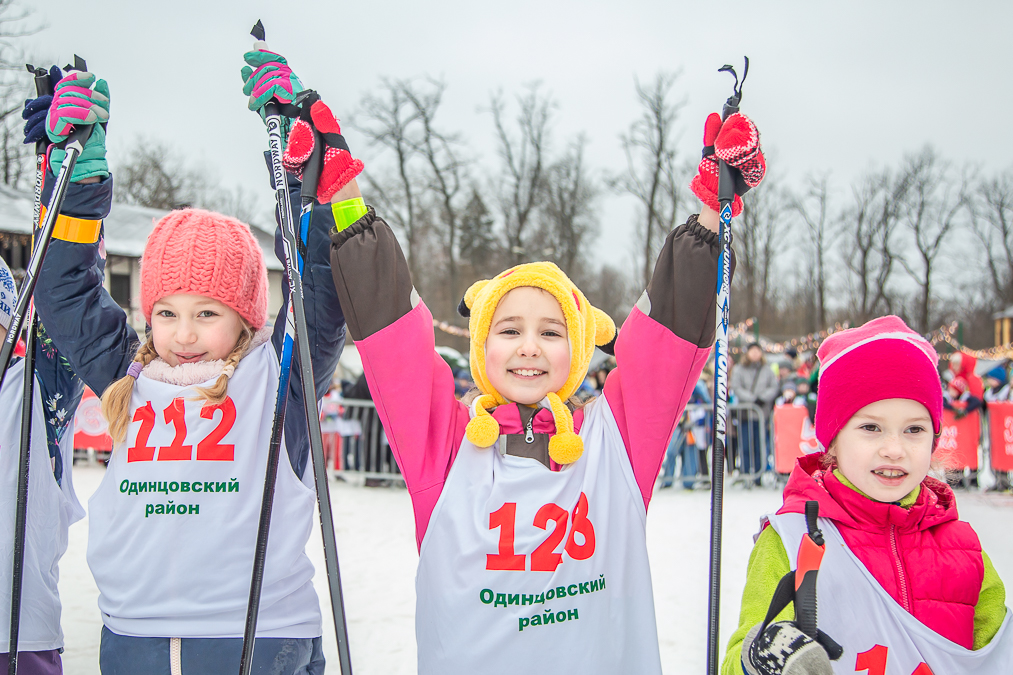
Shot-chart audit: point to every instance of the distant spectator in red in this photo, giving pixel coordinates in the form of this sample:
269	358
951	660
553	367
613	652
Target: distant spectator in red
966	391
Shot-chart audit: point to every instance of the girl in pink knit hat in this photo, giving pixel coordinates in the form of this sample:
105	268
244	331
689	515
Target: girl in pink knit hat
904	586
191	405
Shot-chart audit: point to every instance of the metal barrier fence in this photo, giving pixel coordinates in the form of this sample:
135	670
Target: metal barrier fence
687	460
357	444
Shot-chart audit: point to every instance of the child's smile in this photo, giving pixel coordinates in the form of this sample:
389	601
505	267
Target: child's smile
527	353
885	448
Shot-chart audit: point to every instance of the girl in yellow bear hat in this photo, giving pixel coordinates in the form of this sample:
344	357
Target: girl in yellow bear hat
530	517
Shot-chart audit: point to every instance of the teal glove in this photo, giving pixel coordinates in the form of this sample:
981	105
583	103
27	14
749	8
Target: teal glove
75	102
268	76
92	160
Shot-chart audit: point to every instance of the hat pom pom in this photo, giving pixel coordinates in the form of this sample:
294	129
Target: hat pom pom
566	448
482	430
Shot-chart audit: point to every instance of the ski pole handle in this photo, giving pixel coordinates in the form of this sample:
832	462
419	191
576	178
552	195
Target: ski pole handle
43	87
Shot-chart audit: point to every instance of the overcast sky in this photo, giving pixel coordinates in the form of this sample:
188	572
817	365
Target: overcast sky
842	86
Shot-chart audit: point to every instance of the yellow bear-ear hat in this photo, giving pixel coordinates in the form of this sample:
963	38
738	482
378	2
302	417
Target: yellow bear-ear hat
586	327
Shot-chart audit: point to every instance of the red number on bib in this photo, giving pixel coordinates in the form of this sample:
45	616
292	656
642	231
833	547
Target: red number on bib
210	449
141	451
873	660
923	669
544	558
504	518
583	526
175	415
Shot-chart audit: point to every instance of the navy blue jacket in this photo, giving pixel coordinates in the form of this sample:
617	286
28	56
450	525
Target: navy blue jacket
91	330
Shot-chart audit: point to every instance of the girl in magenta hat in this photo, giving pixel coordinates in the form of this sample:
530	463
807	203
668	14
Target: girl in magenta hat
904	586
191	406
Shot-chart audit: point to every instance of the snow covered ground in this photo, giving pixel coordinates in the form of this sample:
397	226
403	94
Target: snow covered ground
377	551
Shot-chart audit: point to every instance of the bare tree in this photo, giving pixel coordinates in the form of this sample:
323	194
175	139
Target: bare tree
611	290
15	156
568	217
523	161
445	169
935	201
158	177
388	119
759	242
992	222
813	209
872	221
650	166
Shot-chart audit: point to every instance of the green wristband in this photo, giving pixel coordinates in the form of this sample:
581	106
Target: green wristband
347	212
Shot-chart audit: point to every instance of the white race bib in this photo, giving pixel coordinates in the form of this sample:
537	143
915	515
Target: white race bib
526	570
173	526
877	634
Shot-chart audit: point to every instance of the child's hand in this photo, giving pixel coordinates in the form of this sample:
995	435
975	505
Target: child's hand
75	102
339	168
737	142
783	650
268	76
37	109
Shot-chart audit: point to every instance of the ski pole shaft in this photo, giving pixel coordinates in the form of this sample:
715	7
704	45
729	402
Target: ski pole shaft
75	144
42	88
295	334
311	175
21	512
281	403
726	195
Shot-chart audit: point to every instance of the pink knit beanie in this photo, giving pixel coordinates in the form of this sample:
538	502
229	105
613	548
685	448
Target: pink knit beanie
881	360
205	253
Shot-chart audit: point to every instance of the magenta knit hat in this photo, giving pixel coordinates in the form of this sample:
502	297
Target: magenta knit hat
882	359
205	253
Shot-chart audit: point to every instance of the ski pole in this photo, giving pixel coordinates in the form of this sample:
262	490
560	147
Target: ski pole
73	146
726	194
311	176
295	333
42	88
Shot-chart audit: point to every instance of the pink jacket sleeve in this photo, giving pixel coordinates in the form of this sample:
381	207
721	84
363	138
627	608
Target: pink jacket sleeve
662	347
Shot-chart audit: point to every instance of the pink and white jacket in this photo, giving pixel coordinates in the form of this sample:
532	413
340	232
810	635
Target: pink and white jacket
661	349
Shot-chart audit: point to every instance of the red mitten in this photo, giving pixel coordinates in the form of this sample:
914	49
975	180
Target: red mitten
339	167
737	142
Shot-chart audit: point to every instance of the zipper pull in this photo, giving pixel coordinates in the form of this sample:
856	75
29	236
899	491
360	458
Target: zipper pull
529	432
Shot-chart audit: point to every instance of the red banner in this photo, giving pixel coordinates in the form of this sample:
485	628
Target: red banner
794	436
1000	426
959	439
90	428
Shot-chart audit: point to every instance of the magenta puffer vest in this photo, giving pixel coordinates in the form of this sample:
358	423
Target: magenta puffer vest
927	560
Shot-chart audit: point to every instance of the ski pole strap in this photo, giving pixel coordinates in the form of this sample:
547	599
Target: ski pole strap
74	230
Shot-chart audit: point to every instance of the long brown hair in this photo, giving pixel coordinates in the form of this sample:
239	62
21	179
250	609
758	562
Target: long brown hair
116	398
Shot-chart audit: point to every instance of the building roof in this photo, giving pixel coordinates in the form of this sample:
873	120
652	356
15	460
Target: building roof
126	227
1004	314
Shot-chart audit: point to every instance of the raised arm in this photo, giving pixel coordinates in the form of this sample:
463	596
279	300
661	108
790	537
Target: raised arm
666	340
411	385
80	317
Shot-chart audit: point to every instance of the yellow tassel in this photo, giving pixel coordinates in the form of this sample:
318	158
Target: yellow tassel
565	447
483	429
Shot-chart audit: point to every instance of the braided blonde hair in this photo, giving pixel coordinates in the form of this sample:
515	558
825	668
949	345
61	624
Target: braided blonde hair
116	398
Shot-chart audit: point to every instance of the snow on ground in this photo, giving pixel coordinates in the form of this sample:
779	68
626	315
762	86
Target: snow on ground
377	552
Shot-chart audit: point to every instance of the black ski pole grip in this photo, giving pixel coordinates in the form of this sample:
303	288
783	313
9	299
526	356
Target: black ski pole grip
810	556
43	87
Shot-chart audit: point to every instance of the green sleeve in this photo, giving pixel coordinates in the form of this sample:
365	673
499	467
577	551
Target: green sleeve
991	608
768	563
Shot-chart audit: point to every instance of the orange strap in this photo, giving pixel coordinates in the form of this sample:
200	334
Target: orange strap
76	230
